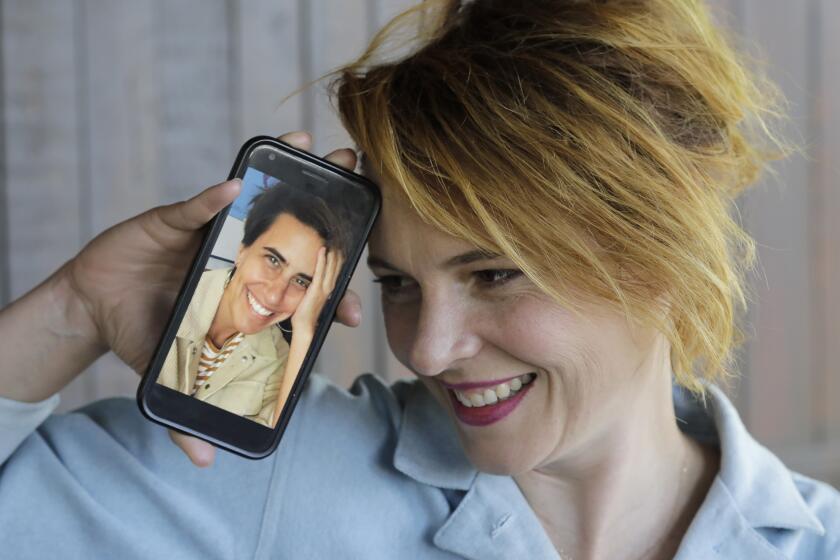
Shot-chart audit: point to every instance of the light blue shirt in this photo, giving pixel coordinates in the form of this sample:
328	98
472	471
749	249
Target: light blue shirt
376	472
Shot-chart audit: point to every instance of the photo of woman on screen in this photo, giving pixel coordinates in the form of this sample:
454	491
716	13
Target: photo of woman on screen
230	350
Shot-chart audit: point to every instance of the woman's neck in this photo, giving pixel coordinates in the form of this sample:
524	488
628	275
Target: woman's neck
221	329
628	493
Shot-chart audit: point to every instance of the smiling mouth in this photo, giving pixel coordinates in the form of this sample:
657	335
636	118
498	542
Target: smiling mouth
487	396
256	307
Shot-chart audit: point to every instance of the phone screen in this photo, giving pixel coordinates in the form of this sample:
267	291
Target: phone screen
262	290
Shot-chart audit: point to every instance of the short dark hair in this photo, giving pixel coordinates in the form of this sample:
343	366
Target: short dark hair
308	208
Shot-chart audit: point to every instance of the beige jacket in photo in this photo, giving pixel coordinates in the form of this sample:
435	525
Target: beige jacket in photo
248	382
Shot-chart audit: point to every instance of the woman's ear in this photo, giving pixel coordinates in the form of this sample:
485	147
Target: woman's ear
238	258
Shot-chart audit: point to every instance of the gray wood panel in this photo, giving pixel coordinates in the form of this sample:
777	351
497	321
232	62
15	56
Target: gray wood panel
781	354
45	162
121	87
826	147
268	68
197	83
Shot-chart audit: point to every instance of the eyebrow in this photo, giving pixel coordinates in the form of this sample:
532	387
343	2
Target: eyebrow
282	259
457	260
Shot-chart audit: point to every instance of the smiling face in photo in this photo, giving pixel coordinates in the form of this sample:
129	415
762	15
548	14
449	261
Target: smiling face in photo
272	274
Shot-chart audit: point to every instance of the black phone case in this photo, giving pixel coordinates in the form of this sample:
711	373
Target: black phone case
239	435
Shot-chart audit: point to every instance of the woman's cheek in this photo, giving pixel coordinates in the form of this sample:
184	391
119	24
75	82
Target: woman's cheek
400	326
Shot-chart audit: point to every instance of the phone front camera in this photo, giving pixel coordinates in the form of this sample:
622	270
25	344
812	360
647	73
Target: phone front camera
272	157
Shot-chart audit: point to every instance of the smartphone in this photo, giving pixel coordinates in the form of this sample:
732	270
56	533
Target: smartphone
259	299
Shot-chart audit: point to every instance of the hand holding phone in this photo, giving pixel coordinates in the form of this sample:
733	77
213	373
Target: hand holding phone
276	261
125	281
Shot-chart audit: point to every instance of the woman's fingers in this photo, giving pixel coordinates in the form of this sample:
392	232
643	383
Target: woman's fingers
318	275
345	157
201	453
334	262
349	310
192	214
299	139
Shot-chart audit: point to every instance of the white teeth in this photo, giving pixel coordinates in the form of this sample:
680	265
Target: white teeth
503	391
493	395
258	309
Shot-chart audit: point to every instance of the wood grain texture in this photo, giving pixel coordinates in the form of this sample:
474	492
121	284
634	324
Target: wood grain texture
195	55
120	73
826	207
267	67
45	162
777	213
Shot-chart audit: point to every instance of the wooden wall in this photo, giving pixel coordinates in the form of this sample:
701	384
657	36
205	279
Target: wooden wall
112	106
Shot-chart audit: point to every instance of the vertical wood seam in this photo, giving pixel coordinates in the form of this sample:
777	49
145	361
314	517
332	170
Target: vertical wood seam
235	55
306	64
5	249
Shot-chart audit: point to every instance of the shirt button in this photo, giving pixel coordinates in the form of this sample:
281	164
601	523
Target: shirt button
244	358
207	386
193	351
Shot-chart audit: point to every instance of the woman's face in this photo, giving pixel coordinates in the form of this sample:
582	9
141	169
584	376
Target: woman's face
272	274
540	383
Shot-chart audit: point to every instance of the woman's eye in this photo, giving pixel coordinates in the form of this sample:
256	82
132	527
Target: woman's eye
302	282
496	276
272	260
395	284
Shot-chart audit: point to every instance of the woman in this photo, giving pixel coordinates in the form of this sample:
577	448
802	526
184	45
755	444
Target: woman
229	350
554	247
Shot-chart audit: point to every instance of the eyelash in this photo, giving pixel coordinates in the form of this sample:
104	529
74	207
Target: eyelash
389	282
274	261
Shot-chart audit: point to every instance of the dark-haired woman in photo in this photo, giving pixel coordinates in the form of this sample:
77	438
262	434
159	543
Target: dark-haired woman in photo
230	350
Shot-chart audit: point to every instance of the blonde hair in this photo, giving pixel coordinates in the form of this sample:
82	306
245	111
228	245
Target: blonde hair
599	145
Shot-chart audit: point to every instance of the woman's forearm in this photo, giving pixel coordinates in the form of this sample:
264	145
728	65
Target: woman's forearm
49	338
297	353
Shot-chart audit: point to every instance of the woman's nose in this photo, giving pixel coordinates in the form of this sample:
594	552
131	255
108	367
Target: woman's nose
444	336
277	291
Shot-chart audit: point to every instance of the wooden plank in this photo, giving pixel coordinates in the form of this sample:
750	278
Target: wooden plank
781	356
43	167
197	124
4	207
267	63
826	118
122	103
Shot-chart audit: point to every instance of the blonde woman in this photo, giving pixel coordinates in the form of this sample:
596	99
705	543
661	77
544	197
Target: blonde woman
560	271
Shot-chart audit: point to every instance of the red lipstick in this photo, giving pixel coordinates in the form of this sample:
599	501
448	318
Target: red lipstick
487	414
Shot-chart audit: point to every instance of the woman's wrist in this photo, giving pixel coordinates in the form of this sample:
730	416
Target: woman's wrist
72	316
48	323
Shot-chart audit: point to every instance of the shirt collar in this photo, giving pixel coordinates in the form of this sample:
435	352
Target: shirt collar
752	490
753	481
